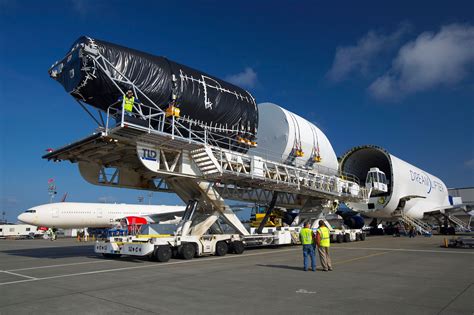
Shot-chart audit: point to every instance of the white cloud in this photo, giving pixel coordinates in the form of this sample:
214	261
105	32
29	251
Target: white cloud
80	6
245	79
469	164
359	58
433	59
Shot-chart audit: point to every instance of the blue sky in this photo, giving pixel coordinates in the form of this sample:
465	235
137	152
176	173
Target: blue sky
399	75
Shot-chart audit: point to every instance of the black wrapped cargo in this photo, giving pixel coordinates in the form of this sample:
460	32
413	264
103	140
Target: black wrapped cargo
200	97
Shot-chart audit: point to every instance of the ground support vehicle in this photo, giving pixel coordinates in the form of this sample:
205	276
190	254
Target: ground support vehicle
339	233
346	235
203	161
285	235
161	247
462	241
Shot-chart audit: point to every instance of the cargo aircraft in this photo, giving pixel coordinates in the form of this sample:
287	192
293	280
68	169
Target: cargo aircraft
396	187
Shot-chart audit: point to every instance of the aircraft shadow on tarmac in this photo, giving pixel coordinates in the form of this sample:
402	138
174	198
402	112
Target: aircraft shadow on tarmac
282	267
64	252
53	252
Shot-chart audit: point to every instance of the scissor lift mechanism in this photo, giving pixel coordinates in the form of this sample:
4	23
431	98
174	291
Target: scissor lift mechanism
176	154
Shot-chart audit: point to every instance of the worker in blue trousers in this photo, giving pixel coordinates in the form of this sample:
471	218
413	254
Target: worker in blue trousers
307	240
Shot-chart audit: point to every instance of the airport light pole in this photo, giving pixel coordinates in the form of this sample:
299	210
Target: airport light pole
51	189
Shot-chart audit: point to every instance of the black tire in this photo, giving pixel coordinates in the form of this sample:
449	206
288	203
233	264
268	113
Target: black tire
237	247
151	257
221	248
187	251
362	236
175	252
111	256
357	237
339	238
347	238
162	253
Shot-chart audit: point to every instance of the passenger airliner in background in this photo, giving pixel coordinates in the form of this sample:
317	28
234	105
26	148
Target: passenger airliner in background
96	215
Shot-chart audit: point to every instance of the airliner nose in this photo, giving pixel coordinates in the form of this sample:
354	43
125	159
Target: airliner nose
24	218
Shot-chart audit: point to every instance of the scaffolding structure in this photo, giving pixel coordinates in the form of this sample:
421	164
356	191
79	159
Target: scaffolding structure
154	150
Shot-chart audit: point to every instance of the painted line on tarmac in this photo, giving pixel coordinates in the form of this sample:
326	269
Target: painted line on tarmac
406	250
147	266
18	275
61	265
359	258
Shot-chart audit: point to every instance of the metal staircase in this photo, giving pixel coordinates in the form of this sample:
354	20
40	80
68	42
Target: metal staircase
419	225
459	223
206	161
402	230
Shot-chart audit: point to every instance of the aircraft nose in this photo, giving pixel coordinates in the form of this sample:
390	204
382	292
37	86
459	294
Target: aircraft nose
24	218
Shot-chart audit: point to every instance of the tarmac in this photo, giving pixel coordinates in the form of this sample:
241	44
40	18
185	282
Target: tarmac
380	275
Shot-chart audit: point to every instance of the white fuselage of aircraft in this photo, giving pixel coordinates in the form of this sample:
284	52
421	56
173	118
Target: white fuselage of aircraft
410	189
93	215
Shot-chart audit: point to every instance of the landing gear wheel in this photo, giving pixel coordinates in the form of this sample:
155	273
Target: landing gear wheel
221	248
362	236
187	250
347	238
111	256
339	238
162	253
237	247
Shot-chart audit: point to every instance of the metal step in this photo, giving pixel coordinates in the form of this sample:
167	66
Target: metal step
206	161
402	230
461	224
421	226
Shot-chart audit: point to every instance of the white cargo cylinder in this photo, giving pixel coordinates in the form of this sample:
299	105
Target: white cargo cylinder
280	131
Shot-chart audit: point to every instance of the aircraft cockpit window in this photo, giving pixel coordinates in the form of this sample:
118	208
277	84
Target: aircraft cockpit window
30	211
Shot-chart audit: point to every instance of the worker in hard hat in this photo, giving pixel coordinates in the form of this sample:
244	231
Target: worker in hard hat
128	102
307	240
323	242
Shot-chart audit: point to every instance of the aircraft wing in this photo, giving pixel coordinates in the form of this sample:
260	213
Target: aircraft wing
446	209
161	217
